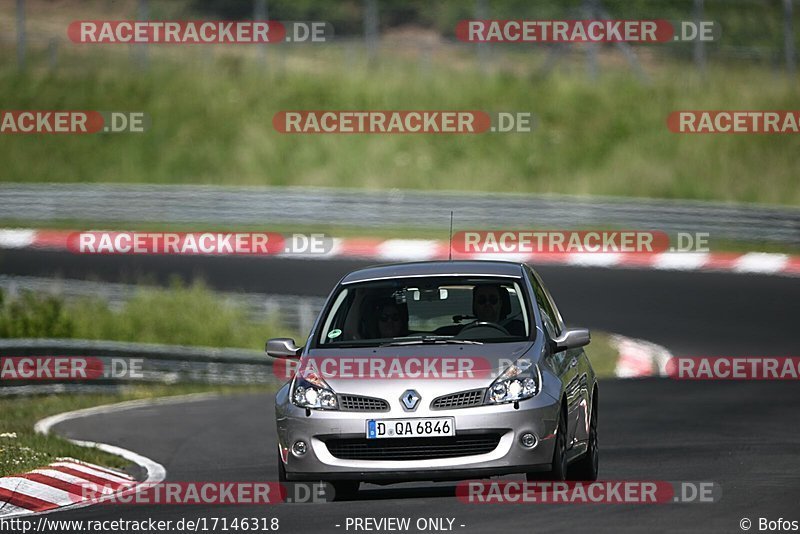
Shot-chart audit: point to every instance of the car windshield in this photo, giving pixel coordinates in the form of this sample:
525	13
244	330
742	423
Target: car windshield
407	311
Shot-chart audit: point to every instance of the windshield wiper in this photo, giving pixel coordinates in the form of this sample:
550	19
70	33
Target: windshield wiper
426	340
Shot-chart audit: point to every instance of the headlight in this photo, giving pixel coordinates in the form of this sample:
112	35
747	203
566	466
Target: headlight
520	381
311	391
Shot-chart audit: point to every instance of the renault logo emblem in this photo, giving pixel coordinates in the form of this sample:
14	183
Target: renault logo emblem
410	399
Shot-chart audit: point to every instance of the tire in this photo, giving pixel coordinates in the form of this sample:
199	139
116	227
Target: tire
281	471
558	468
343	490
589	464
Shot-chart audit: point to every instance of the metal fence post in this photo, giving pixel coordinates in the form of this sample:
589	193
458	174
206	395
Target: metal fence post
699	45
21	33
140	49
482	13
371	29
788	39
260	12
590	12
52	53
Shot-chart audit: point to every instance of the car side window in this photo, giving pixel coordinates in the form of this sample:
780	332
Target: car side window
549	316
557	317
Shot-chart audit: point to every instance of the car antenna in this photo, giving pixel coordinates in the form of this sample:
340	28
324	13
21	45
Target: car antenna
451	236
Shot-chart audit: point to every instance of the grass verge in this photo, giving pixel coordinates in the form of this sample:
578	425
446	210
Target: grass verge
21	449
602	354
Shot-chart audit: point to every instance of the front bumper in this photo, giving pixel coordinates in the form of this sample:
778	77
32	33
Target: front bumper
537	416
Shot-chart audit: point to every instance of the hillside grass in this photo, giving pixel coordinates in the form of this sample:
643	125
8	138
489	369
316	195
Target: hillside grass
212	124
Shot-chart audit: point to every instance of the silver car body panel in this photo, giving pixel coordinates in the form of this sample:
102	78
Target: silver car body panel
567	381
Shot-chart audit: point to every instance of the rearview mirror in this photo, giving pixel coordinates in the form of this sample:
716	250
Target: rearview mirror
283	347
572	338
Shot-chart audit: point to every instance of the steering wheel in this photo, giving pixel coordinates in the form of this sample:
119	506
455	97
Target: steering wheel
483	324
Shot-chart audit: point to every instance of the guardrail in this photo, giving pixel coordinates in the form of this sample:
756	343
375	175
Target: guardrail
263	206
164	364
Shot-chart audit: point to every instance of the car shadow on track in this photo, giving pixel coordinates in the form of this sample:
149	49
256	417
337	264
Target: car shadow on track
380	493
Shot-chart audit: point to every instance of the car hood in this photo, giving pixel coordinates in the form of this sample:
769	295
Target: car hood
429	369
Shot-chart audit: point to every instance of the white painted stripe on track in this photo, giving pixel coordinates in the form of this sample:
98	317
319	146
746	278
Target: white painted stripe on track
681	261
599	259
60	475
408	249
97	467
17	238
761	262
92	472
9	510
502	256
38	490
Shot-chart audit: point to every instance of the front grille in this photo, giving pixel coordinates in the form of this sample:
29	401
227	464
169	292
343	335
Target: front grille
412	448
463	399
357	403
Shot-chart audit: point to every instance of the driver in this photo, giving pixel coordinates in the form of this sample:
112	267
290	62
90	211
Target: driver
392	319
491	304
487	305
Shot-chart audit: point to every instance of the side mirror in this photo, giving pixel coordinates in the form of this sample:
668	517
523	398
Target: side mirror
572	338
282	347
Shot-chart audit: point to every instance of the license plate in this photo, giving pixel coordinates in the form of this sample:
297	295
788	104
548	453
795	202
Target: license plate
410	428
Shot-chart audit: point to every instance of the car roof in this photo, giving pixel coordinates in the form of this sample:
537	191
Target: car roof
436	268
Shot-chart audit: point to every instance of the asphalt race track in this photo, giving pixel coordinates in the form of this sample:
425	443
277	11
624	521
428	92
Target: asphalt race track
745	436
689	312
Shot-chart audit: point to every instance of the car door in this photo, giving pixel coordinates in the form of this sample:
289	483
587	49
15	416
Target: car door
570	365
577	361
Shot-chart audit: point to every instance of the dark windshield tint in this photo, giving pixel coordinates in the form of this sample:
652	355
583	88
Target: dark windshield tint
487	310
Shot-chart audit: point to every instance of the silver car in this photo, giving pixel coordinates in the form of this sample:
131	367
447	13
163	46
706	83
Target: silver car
434	371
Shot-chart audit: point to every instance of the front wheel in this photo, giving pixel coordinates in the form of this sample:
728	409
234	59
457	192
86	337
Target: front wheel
343	490
558	468
281	471
588	466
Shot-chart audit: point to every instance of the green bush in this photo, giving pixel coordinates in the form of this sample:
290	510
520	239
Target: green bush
179	315
32	315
